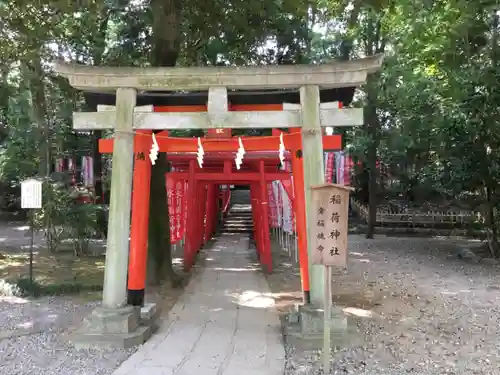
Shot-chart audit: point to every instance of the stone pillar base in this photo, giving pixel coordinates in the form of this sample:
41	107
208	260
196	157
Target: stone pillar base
150	316
303	328
116	328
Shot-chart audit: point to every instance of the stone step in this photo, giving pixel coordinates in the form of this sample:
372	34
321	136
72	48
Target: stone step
236	232
85	340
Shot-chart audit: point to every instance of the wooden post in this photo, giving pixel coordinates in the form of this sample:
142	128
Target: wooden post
196	221
327	317
202	213
258	206
210	208
215	212
300	217
117	250
267	259
255	217
190	222
330	204
140	219
313	175
183	211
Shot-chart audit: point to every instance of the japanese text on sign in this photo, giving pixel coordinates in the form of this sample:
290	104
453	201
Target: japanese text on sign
331	204
31	194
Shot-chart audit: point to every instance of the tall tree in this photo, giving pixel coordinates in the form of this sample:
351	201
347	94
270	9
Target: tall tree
166	44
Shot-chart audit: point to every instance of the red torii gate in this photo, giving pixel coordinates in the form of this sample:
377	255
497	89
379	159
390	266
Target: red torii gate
201	193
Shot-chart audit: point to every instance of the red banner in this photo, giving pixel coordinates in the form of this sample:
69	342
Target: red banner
330	167
273	208
176	211
348	169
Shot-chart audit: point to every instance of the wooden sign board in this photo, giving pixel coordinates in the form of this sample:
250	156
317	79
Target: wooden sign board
331	208
31	193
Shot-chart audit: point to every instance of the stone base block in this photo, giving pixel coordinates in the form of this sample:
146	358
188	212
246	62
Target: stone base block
84	340
104	320
113	328
306	342
150	316
311	320
303	328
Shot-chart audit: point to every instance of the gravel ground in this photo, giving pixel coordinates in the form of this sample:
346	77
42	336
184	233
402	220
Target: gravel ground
38	329
420	310
43	349
38	345
415	309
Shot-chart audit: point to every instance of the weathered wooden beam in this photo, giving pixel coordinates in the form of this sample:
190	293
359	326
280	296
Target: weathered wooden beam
325	105
312	149
336	74
331	114
193	120
203	120
142	108
218	106
341	117
117	249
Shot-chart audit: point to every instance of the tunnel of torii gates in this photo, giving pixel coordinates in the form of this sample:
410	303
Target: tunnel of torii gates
134	102
195	190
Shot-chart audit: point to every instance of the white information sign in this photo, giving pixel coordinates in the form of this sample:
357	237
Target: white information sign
31	193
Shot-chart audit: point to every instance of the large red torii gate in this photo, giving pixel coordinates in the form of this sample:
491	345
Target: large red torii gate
201	183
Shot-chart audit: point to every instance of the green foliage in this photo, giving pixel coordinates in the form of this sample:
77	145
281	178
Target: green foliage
62	217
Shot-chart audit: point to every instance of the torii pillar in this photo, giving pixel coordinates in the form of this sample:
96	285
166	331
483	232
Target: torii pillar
116	323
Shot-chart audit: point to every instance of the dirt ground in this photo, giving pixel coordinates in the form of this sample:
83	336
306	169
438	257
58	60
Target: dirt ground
414	306
35	331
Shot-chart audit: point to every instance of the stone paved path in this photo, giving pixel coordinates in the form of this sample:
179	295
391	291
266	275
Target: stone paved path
222	325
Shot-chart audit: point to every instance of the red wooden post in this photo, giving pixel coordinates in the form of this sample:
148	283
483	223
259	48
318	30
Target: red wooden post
210	208
182	222
215	214
189	246
199	218
266	241
259	219
140	220
299	207
196	222
255	217
259	215
202	215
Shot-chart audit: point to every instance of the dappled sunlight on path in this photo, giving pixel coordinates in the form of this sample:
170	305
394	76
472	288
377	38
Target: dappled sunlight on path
223	324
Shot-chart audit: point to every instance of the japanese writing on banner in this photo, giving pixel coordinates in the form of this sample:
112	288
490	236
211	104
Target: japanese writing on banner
329	241
273	207
175	195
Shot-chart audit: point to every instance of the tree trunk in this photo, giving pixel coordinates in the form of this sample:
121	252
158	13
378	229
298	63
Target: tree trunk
98	55
375	43
166	22
102	224
490	184
491	229
372	124
33	75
